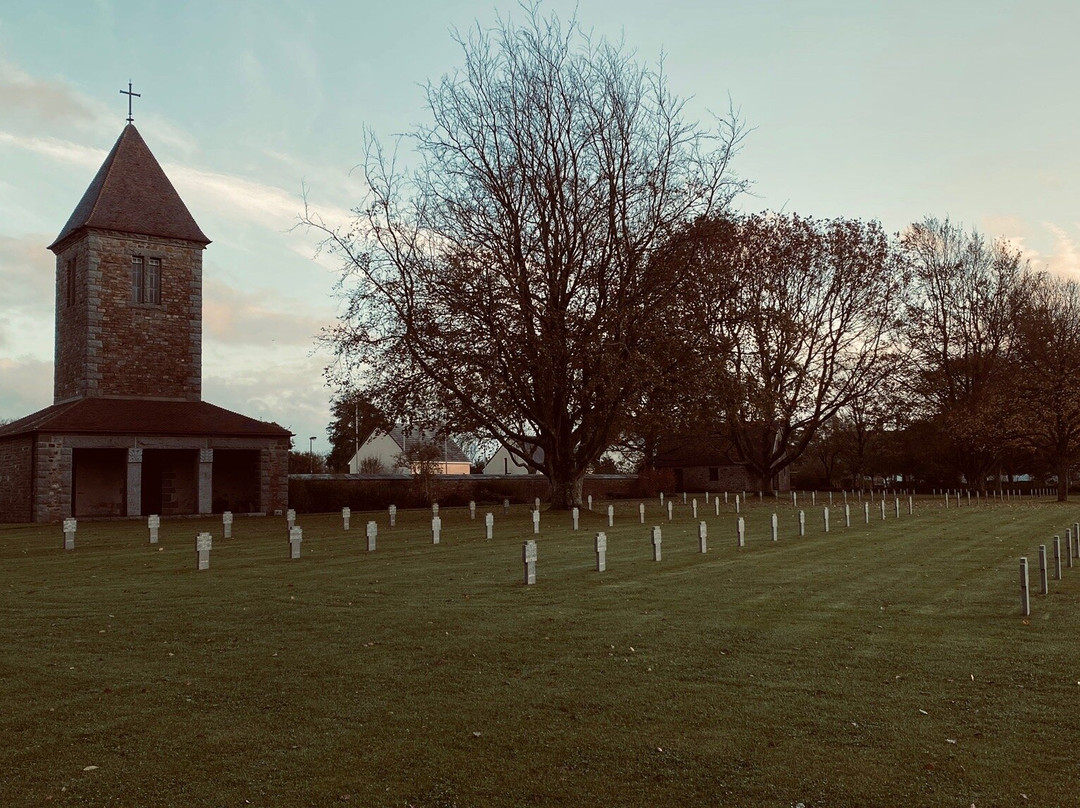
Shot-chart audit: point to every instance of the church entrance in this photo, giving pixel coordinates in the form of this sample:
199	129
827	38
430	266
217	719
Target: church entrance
236	481
170	481
99	482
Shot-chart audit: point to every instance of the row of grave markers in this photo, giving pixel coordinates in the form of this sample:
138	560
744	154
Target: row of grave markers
1072	550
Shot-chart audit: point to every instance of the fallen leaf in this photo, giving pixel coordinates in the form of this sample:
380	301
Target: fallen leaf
91	768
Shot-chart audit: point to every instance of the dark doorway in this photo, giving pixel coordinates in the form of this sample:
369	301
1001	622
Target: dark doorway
236	480
99	482
170	481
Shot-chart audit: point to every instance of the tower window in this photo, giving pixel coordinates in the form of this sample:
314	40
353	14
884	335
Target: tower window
145	279
71	282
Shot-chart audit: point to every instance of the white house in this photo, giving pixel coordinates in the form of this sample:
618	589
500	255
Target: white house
387	448
504	463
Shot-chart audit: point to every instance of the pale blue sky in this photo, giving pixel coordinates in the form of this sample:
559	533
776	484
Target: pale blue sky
888	111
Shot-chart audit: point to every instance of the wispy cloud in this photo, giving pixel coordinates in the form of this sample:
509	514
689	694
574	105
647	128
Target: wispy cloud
25	386
47	101
1064	260
241	317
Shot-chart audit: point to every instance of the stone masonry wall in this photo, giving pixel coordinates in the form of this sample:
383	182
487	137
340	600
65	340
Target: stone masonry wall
52	479
16	479
107	345
274	477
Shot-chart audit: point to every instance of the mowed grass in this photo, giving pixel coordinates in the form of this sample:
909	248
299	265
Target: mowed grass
882	664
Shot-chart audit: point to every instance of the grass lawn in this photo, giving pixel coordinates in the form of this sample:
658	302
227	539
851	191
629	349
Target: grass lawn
880	665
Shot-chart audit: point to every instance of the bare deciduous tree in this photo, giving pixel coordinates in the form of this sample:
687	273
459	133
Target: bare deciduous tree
505	286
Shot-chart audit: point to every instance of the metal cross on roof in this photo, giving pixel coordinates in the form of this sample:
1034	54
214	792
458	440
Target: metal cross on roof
130	94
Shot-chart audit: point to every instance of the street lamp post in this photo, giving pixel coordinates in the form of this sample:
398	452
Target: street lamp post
311	454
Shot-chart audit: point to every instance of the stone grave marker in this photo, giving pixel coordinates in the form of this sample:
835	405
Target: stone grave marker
576	515
716	504
69	533
657	540
528	558
706	497
601	552
725	500
434	508
536	504
346	515
825	516
883	509
703	537
736	503
372	535
1068	546
203	543
866	512
153	522
590	501
1044	585
472	509
693	508
847	515
226	524
773	522
802	523
641	512
683	497
506	506
1057	558
489	524
670	514
536	521
436	529
910	506
898	507
740	531
830	498
813	498
393	515
296	535
290	518
794	500
611	516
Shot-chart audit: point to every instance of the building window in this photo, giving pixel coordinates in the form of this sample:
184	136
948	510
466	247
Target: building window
145	279
71	282
714	474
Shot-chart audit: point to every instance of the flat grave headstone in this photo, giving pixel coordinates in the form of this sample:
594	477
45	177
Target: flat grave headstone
372	534
346	515
489	524
703	537
226	524
601	552
528	558
69	533
203	543
153	523
657	540
296	536
436	529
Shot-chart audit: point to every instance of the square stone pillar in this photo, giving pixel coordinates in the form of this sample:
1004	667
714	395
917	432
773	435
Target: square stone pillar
134	482
206	481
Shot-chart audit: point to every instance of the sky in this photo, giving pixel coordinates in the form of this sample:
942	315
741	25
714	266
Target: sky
889	111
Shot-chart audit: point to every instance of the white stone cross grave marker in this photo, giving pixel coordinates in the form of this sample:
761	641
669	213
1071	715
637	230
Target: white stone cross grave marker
825	516
506	506
536	521
434	508
589	500
866	512
290	518
392	510
802	523
601	552
226	524
69	533
794	500
683	497
830	498
706	497
898	507
1044	586
813	498
153	522
910	506
847	515
296	535
472	509
536	504
657	540
1068	546
774	526
576	514
740	531
1025	601
611	516
736	503
883	509
372	534
725	501
670	514
436	529
703	537
528	558
346	515
489	524
693	508
1057	558
641	512
716	503
203	543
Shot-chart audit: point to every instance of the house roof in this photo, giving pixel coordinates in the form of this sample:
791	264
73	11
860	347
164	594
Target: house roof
686	451
449	451
127	416
131	194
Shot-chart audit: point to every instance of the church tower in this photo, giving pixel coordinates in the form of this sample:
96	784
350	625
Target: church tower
129	285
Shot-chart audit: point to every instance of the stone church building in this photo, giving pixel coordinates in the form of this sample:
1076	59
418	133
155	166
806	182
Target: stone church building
128	433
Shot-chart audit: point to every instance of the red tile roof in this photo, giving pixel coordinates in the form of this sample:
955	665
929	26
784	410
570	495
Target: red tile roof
131	194
126	416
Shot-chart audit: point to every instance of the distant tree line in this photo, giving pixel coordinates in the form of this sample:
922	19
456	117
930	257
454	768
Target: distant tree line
562	268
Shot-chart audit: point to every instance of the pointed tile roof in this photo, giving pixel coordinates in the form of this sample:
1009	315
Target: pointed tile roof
132	194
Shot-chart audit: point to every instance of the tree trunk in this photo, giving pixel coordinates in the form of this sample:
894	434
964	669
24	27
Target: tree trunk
1063	481
566	492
